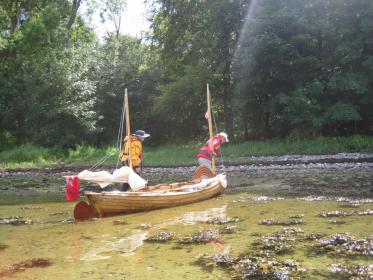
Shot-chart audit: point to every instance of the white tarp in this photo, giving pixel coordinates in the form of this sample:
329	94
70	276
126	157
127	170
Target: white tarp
207	182
124	174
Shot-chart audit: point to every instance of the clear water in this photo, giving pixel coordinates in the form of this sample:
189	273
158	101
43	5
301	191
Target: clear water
113	248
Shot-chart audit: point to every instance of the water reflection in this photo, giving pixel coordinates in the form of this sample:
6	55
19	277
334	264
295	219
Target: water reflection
191	218
99	247
124	246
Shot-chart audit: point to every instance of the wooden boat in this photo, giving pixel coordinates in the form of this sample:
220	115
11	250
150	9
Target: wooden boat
204	186
155	197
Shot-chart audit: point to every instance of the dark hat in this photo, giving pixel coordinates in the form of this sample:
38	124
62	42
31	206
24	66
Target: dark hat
140	133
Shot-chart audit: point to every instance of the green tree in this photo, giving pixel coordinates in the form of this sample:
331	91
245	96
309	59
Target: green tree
125	62
300	68
47	95
200	35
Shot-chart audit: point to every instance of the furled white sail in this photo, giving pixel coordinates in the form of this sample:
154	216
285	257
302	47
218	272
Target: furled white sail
124	174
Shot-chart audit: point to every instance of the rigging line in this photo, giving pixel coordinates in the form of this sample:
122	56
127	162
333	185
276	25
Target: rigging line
120	139
216	131
119	143
120	130
102	160
120	133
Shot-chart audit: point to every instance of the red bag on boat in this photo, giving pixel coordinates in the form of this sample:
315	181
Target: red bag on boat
72	188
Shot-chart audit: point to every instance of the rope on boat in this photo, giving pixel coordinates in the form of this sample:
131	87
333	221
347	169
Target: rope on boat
203	171
119	143
120	133
216	131
101	161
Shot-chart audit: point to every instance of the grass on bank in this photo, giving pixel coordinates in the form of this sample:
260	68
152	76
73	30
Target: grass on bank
29	156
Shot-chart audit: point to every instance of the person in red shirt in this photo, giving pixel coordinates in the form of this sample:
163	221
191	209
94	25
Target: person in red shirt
211	148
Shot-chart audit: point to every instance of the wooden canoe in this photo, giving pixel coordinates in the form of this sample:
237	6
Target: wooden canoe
156	197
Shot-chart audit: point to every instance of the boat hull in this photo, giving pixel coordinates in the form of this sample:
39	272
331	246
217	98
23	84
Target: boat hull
109	203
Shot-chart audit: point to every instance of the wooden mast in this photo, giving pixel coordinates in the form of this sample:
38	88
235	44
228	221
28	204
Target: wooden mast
128	128
210	126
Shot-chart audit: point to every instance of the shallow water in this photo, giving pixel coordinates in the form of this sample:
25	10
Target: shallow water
114	247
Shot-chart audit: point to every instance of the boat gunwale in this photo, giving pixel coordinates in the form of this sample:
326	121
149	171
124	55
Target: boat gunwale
170	193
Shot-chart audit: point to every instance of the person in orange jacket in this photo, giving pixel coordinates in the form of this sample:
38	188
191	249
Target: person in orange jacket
135	144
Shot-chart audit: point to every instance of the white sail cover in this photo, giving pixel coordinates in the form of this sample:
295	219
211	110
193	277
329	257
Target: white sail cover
207	182
124	174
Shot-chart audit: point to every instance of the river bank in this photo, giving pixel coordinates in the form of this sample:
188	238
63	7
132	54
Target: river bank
347	174
170	155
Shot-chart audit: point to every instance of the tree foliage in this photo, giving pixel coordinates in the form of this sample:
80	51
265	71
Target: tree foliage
291	68
303	69
47	94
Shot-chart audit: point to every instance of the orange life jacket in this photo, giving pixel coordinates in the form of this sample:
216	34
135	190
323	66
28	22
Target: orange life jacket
136	151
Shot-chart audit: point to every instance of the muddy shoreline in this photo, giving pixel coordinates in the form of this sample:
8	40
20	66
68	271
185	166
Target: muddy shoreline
295	175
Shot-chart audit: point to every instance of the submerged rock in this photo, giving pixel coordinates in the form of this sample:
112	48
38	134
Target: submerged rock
15	221
266	268
271	222
352	201
144	226
288	232
227	229
119	222
220	221
224	260
365	213
358	271
22	266
58	213
258	199
314	236
347	244
337	222
201	236
256	266
265	198
161	237
297	216
31	208
336	213
279	242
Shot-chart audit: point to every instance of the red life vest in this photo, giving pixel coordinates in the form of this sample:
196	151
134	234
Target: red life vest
72	188
206	151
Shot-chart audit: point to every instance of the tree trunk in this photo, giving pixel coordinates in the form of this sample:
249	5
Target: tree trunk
246	124
13	23
74	11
